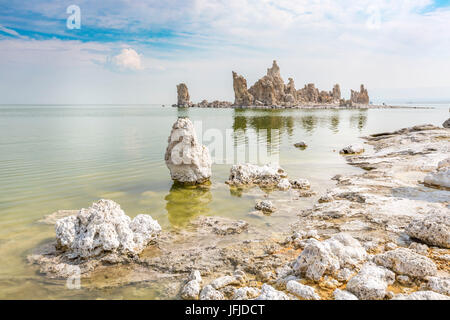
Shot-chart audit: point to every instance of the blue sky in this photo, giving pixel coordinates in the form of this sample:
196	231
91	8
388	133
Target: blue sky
137	51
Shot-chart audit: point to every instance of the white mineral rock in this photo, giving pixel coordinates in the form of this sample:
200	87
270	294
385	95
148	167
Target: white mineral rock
439	285
209	293
104	228
246	293
189	162
407	262
439	178
371	282
338	252
265	206
249	174
284	184
344	295
433	229
421	295
302	291
270	293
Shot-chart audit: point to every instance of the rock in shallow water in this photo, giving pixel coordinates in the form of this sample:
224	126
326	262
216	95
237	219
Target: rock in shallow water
189	162
104	228
352	149
265	206
250	174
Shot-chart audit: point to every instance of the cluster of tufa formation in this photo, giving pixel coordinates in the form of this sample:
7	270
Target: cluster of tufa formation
271	90
184	100
102	229
189	162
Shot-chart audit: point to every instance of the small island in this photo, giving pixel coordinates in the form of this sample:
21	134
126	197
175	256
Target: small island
271	92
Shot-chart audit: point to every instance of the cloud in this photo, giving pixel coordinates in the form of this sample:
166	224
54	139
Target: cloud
128	59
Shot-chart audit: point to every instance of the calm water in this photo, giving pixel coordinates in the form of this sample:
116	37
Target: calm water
66	157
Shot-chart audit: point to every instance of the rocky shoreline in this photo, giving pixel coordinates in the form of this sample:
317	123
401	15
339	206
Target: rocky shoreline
380	234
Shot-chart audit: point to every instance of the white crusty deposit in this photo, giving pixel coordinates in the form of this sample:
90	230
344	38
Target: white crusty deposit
189	162
104	228
433	229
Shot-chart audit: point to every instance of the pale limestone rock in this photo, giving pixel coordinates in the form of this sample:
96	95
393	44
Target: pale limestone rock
249	174
433	229
404	280
344	295
270	89
265	206
438	178
183	96
284	184
336	93
302	184
421	295
419	248
189	162
361	97
371	282
352	149
302	291
241	95
407	262
209	293
329	256
191	290
224	281
104	228
439	285
246	293
270	293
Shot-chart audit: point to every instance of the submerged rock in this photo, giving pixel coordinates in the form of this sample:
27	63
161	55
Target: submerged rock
406	262
433	229
104	228
189	162
371	282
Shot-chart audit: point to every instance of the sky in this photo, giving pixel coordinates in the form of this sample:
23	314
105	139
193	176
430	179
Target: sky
135	52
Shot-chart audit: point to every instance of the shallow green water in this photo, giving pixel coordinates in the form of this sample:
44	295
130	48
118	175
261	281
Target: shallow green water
66	157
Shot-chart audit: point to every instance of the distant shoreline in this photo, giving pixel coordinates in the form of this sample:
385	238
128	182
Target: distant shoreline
305	107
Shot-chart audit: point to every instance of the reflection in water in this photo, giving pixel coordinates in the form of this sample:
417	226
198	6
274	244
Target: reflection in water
334	122
186	202
309	123
359	120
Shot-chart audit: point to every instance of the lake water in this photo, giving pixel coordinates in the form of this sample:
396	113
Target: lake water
66	157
